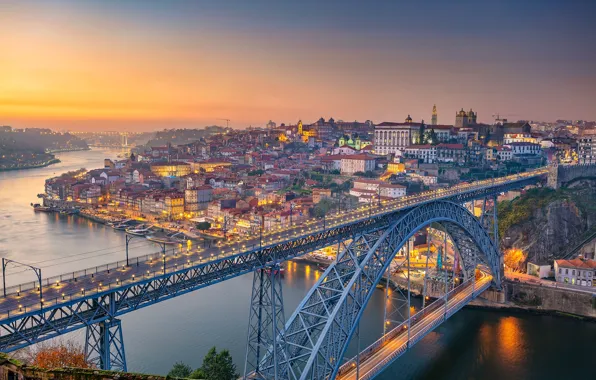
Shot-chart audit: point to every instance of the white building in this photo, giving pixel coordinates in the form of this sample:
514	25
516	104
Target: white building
351	164
524	148
367	188
586	147
427	153
393	138
576	272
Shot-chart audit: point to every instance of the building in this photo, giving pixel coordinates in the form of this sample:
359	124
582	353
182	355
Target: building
586	146
319	194
197	198
208	166
367	188
576	272
170	169
524	148
434	115
351	164
394	138
174	205
464	119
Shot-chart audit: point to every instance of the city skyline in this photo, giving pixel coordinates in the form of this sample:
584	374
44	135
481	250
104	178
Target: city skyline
147	66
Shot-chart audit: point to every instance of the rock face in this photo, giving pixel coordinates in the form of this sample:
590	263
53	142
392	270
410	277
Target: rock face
546	224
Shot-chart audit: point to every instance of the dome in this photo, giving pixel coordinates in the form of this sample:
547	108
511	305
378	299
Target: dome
408	119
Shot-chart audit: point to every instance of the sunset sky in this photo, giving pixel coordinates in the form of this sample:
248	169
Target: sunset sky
134	65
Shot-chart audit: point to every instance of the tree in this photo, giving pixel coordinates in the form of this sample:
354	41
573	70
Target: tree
58	355
434	140
219	366
422	134
203	226
180	370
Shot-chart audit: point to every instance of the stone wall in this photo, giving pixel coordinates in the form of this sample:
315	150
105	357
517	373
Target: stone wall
561	175
551	299
11	369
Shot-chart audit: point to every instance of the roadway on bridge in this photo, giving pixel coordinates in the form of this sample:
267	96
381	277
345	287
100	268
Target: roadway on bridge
374	362
25	298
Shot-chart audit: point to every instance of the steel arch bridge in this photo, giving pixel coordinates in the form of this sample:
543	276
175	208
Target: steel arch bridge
96	298
318	333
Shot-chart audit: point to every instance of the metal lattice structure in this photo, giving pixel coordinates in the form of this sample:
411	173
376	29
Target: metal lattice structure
318	333
44	320
266	322
104	346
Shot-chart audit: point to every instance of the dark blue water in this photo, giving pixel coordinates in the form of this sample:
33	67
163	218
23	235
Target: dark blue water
473	344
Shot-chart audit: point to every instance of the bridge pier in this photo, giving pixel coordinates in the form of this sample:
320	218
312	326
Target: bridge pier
104	345
265	324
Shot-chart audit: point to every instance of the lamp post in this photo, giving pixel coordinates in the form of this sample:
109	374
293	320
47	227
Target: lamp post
37	271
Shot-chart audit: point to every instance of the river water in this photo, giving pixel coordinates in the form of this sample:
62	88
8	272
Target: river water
473	344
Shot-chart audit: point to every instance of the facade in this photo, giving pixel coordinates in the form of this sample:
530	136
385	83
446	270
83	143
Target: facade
524	148
351	164
208	166
576	272
174	205
394	138
374	188
197	198
319	194
171	169
586	147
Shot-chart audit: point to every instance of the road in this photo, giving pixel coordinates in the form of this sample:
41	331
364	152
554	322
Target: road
531	280
398	344
25	297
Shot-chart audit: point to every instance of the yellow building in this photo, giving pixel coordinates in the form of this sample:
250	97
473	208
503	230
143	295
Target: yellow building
171	169
174	205
209	166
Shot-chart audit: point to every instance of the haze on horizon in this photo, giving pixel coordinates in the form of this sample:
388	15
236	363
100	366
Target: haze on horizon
146	65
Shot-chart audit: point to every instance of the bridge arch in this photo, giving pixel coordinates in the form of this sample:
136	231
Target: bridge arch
319	332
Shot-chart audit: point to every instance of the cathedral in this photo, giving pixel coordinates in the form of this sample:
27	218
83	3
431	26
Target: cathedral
464	119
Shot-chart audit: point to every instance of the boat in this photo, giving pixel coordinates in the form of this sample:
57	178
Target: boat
39	208
171	238
140	230
123	225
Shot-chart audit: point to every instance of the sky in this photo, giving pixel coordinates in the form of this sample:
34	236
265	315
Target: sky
147	65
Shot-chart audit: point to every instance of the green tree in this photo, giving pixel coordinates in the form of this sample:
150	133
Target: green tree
219	366
422	134
434	140
198	374
180	370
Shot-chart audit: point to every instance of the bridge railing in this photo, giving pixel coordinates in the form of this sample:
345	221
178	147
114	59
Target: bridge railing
418	318
102	287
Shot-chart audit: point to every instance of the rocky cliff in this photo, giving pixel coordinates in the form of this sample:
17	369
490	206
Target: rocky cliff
545	224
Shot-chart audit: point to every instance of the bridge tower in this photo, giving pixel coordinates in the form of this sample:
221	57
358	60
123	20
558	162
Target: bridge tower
265	325
553	175
104	345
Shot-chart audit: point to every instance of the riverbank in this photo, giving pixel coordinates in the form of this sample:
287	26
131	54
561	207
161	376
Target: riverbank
32	166
67	150
511	308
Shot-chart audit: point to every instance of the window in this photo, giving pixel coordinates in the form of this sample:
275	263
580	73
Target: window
560	270
573	272
566	271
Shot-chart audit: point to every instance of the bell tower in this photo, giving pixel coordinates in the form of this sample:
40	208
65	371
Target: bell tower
433	120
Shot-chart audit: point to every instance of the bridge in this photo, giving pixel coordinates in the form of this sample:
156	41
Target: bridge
313	342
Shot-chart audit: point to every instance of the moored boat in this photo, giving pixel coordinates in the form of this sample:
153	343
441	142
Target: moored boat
140	230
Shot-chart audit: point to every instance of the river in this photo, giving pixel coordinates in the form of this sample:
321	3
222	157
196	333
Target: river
473	344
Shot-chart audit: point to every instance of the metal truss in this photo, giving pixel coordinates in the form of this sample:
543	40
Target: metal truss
104	346
319	331
37	324
266	324
397	299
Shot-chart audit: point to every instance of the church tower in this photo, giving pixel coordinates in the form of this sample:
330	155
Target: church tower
434	117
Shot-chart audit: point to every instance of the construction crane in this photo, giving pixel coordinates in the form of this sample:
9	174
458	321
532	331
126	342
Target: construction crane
227	122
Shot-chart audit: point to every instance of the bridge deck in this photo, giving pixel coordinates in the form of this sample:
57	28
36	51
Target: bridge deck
388	348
